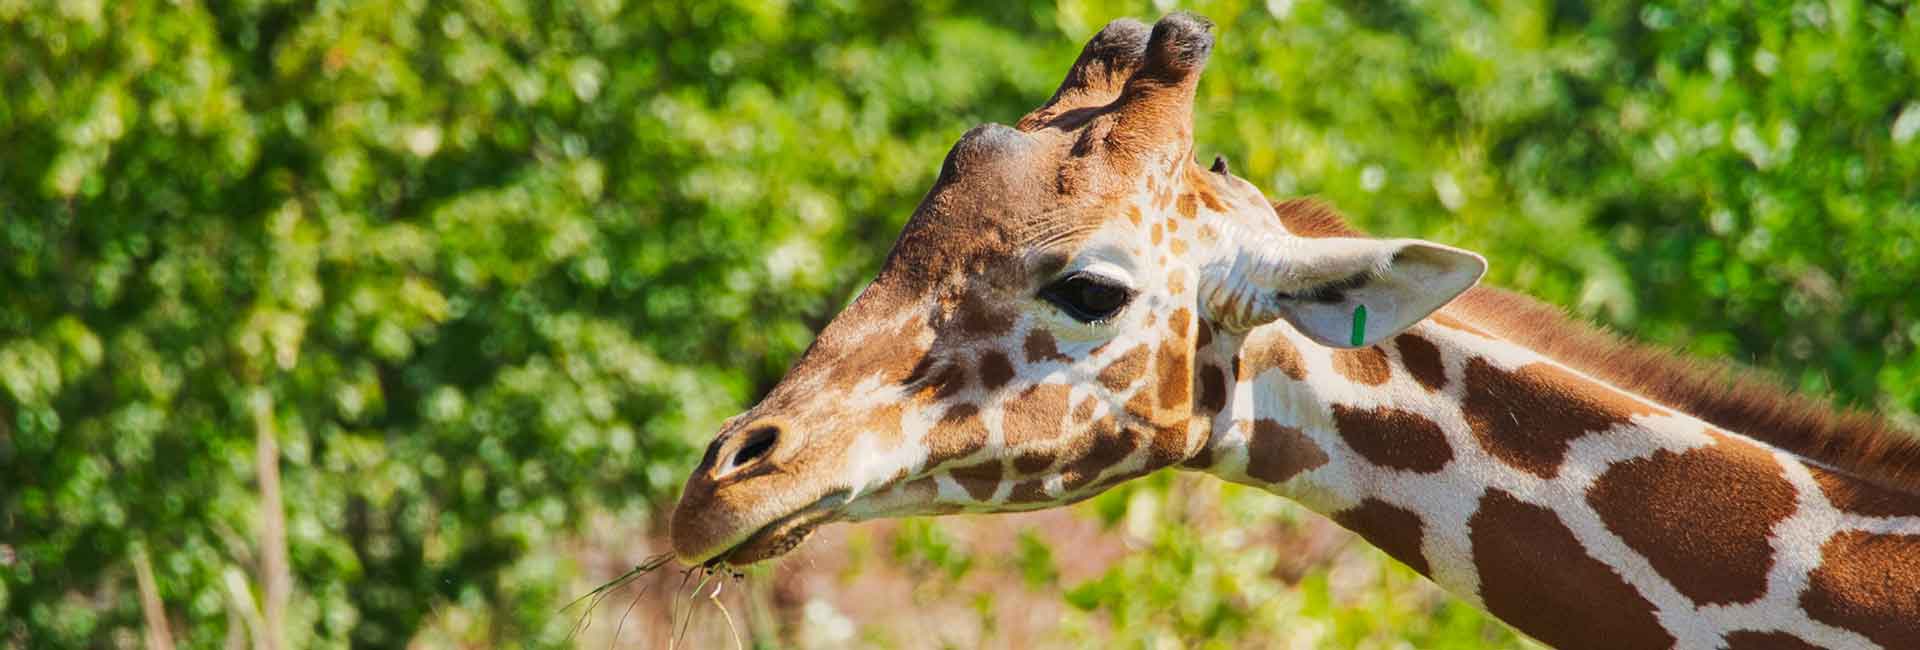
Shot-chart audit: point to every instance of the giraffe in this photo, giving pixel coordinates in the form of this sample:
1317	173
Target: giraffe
1076	303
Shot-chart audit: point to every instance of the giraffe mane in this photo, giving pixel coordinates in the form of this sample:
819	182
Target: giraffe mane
1734	397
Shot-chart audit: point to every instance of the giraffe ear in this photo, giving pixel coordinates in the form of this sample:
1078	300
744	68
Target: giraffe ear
1345	292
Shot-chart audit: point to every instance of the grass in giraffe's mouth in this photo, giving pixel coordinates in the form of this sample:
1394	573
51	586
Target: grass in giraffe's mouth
777	538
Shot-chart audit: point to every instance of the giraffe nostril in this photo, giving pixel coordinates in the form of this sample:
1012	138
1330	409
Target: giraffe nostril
756	444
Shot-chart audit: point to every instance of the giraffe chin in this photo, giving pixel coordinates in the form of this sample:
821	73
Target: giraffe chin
775	539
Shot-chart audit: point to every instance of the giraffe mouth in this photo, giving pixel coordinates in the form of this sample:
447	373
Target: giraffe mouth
777	538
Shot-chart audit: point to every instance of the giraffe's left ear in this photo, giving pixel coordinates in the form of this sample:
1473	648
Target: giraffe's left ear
1343	292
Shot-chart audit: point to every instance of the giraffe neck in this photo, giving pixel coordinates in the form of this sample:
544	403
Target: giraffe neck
1576	511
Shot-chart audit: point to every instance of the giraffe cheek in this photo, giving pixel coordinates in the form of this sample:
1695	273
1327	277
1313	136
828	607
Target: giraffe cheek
958	434
1036	415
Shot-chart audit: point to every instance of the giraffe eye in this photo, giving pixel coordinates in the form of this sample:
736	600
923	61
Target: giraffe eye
1086	297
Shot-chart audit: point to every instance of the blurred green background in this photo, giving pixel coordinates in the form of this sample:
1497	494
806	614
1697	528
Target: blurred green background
470	283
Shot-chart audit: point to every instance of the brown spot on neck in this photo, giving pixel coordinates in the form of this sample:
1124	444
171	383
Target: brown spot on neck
1392	438
1275	452
1365	365
1393	529
1212	392
1526	418
1701	517
1728	396
1752	640
1865	583
1862	497
1422	360
1535	575
1268	350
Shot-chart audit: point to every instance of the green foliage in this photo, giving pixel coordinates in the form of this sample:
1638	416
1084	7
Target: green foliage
485	268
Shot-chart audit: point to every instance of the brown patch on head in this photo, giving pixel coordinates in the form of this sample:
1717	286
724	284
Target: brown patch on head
1106	445
1393	529
1266	350
995	369
1422	360
1752	640
1157	233
1200	459
1865	583
1120	374
1365	365
1276	452
978	319
1040	347
1036	414
1177	282
894	356
1176	375
1133	214
1701	517
1140	407
980	480
1537	576
1212	202
1393	438
958	433
1031	463
948	380
1527	418
1179	321
1083	411
1168	445
1029	492
920	370
1189	205
1178	246
1213	389
1861	497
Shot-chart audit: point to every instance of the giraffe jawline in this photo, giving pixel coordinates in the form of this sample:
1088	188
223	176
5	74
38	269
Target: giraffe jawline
775	539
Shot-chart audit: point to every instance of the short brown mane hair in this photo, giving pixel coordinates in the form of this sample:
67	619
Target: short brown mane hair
1726	395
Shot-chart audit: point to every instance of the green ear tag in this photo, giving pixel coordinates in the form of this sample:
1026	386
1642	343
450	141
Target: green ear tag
1359	324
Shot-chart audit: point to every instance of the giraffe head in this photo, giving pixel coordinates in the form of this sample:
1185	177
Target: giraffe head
1058	316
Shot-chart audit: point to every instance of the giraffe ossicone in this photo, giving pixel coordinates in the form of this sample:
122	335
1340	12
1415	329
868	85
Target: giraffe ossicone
1076	303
